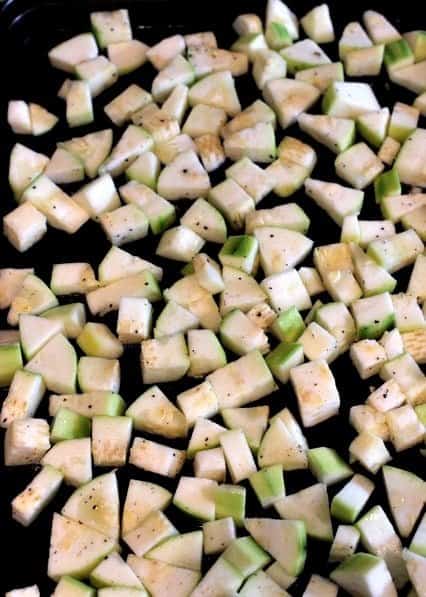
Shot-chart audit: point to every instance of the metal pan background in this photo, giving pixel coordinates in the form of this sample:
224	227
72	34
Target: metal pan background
28	29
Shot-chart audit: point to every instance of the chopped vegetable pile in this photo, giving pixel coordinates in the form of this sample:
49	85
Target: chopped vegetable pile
255	303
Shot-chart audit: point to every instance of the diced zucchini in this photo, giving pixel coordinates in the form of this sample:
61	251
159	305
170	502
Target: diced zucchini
312	507
364	62
405	492
373	126
349	100
278	12
351	499
252	421
68	54
304	54
238	455
405	428
157	365
156	458
327	466
111	27
281	249
335	133
107	298
403	121
289	98
120	109
338	201
283	445
142	499
370	451
289	216
205	352
285	540
408	162
241	291
145	170
257	112
256	143
398	55
285	290
24	396
268	65
103	492
114	572
344	544
26	441
184	551
379	537
79	110
221	578
75	549
73	458
358	165
217	90
70	586
196	497
155	529
373	315
366	574
98	72
164	51
110	440
230	500
177	72
131	145
183	178
34	498
97	340
283	358
210	464
127	56
163	578
397	251
218	534
199	401
239	334
317	24
71	317
245	24
246	556
316	391
379	28
368	357
68	424
354	37
207	60
389	150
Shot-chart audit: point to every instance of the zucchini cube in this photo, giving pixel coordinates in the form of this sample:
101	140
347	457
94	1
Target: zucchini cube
398	54
351	499
10	361
230	501
24	226
408	375
26	442
368	356
97	340
124	225
283	358
364	572
285	290
238	456
364	417
110	440
246	556
34	498
156	458
164	359
134	320
199	401
240	252
344	544
318	343
218	534
387	396
327	466
373	315
24	396
289	326
316	392
210	464
68	424
358	165
239	334
405	428
98	374
370	451
268	485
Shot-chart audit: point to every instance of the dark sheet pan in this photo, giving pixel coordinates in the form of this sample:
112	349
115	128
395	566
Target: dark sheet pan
28	29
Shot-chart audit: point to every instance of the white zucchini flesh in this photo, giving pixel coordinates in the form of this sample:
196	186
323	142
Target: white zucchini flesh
75	549
378	537
101	492
155	529
142	498
163	579
30	502
310	505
